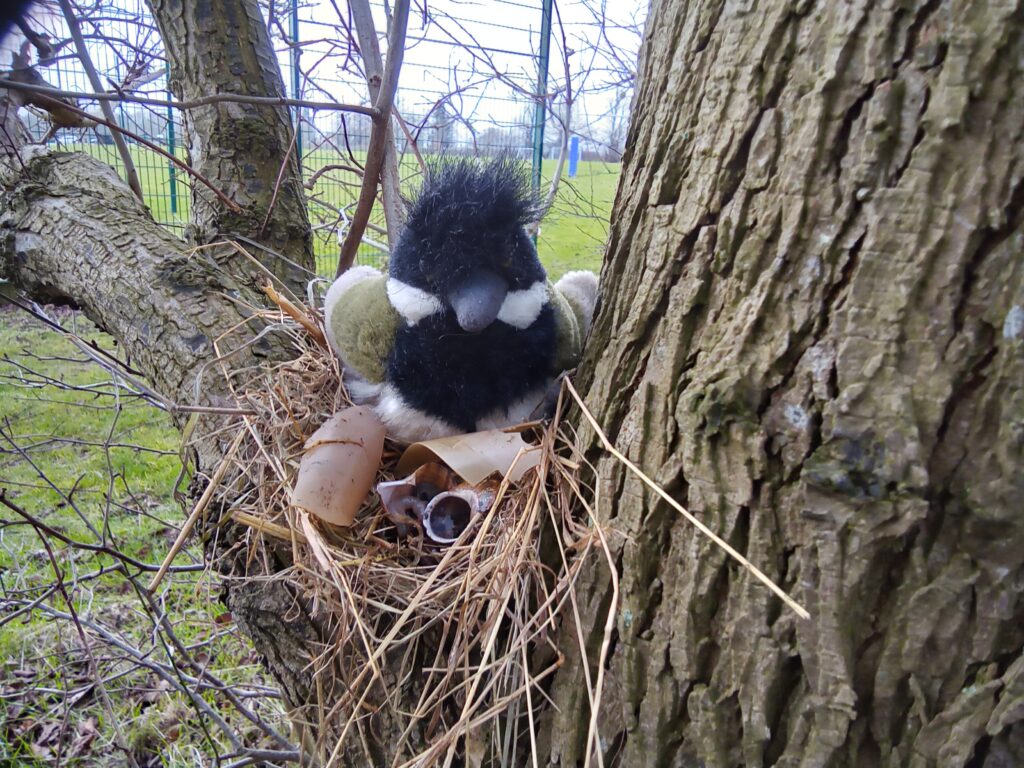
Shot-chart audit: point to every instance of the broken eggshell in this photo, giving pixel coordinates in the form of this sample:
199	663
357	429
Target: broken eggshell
449	514
339	465
433	498
405	500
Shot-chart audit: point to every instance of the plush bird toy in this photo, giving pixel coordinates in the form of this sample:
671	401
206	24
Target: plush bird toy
464	332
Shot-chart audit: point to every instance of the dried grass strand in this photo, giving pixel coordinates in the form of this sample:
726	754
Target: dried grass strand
456	626
197	510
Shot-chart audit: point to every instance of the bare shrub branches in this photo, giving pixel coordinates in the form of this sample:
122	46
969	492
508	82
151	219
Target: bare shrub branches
143	656
383	85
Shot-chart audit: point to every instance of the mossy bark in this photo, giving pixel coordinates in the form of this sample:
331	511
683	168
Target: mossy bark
812	334
73	233
247	151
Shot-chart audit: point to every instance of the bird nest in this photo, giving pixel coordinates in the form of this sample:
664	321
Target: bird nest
441	647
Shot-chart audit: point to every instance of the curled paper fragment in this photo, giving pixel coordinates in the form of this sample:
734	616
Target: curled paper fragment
339	465
476	455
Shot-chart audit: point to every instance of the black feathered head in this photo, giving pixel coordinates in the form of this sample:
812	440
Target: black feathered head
465	241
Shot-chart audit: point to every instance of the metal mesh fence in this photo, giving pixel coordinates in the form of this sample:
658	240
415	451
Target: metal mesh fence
451	99
467	86
122	40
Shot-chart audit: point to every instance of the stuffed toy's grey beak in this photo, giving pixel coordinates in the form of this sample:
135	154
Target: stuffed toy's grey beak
477	300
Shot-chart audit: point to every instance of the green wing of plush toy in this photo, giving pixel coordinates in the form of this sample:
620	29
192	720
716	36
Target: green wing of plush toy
573	298
361	323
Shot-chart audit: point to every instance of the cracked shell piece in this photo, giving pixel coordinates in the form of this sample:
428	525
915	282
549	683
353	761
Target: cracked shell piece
339	465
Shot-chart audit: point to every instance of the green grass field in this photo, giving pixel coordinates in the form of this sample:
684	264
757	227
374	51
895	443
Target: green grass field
99	466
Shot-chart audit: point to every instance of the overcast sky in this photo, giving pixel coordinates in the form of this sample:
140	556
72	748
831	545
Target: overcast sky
459	43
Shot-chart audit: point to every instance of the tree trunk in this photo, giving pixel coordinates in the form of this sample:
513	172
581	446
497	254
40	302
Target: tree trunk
126	272
812	334
248	151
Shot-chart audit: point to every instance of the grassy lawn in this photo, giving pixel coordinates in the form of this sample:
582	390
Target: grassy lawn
573	234
98	465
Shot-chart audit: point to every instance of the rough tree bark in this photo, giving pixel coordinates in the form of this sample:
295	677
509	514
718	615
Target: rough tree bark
70	232
166	307
223	47
812	333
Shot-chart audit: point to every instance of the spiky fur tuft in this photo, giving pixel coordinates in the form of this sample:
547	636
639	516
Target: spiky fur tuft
466	194
468	215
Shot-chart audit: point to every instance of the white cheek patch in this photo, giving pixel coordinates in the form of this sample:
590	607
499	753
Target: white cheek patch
412	303
521	308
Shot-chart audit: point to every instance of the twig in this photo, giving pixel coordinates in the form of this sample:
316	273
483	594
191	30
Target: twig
311	181
168	674
757	573
193	517
412	143
295	314
220	98
203	677
156	148
84	546
267	527
91	349
609	626
379	81
378	137
280	178
86	646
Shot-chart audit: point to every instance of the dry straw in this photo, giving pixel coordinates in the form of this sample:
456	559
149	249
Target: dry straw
466	631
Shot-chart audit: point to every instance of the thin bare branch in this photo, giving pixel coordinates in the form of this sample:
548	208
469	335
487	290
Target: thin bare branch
311	181
220	98
378	138
159	150
193	517
377	74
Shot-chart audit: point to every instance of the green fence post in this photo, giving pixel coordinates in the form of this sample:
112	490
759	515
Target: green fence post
170	146
296	80
540	111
